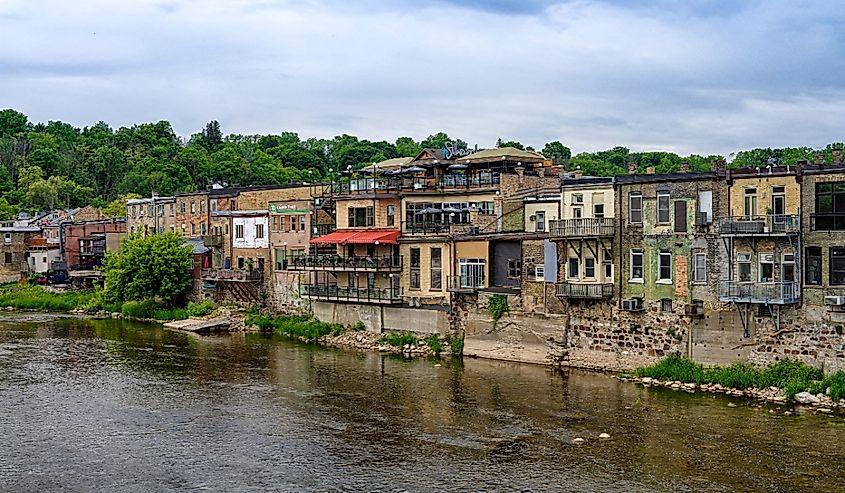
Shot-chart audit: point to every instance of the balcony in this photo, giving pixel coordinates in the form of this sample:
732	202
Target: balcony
827	222
235	275
464	284
213	241
333	292
584	291
772	293
403	183
604	227
336	263
769	225
425	228
92	250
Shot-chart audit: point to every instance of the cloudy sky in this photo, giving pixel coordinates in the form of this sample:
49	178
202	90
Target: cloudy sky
704	77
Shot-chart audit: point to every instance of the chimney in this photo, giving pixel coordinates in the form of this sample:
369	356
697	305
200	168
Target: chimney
837	157
155	194
541	172
717	165
819	158
684	167
649	170
632	168
577	172
520	171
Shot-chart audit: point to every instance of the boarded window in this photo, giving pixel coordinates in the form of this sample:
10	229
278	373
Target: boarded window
680	216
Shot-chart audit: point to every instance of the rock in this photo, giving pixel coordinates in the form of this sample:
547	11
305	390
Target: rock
383	348
646	380
731	404
359	338
604	435
407	346
806	398
689	385
438	365
825	410
788	413
578	441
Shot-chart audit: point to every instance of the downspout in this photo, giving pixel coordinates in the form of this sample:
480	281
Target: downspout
621	222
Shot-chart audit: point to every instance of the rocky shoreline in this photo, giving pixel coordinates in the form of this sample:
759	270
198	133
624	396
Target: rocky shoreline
819	402
370	341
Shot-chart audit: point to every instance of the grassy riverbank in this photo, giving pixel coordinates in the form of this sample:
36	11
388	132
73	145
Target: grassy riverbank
306	328
24	297
792	376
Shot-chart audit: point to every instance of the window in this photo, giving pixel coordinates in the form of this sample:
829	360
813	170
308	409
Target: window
301	223
202	206
292	223
239	231
160	210
699	273
360	217
664	267
202	228
232	204
750	203
471	272
608	267
7	257
391	215
577	212
814	266
213	206
598	211
297	252
743	267
184	229
663	207
415	268
787	267
837	266
778	203
259	231
666	305
636	266
193	229
7	238
635	208
171	210
281	258
150	210
193	207
540	225
577	198
539	272
352	279
436	272
514	268
767	267
830	207
182	207
274	224
240	262
590	267
573	271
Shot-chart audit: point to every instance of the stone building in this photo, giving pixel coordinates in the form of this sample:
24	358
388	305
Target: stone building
193	214
151	215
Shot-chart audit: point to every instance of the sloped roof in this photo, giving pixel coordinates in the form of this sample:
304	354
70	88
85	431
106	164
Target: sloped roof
389	164
508	153
198	246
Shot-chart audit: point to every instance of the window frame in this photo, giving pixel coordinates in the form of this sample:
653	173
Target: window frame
636	252
695	258
632	209
661	255
664	196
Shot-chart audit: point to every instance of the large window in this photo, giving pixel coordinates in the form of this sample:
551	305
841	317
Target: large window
415	268
664	266
391	215
239	231
471	272
514	268
814	266
830	207
573	271
767	267
699	273
837	266
743	267
635	208
259	231
663	207
436	269
637	265
281	259
750	203
589	267
540	224
360	217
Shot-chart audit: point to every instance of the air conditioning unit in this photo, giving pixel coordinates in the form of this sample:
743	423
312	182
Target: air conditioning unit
767	258
632	305
532	218
834	300
694	309
701	219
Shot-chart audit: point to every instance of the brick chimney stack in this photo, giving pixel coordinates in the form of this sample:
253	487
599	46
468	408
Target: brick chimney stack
685	167
837	157
649	170
717	165
819	158
632	168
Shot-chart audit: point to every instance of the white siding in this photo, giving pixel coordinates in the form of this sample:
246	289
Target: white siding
249	240
591	196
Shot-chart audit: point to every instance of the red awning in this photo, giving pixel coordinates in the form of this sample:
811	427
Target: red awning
358	237
369	237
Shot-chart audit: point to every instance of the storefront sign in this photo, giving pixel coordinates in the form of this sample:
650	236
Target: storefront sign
450	150
287	209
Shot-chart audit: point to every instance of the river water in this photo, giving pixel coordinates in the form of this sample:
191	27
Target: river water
113	406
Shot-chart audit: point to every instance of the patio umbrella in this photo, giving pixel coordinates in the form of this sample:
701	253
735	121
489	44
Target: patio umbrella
413	169
429	210
457	166
451	209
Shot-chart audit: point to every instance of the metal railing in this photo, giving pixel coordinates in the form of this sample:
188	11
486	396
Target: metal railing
241	275
347	293
337	262
92	250
827	222
464	283
405	183
781	292
587	291
582	227
759	225
424	227
323	229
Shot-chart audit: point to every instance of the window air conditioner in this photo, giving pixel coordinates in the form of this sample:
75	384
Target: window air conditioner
632	305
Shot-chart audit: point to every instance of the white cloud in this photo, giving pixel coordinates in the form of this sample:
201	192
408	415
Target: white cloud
592	74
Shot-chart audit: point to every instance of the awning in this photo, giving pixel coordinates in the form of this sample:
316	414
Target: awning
358	237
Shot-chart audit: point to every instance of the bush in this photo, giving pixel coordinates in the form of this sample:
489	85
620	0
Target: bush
434	343
305	328
498	306
735	376
833	385
456	344
200	309
37	298
399	339
673	367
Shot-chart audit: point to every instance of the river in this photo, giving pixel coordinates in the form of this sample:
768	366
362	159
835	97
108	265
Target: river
107	405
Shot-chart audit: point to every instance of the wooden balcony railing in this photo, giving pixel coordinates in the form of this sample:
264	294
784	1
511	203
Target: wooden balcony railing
585	291
779	293
582	228
236	275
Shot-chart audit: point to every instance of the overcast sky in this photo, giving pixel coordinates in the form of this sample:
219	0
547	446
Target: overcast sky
714	78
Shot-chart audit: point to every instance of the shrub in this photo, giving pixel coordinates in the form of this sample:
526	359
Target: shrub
673	367
139	309
200	309
833	385
736	376
498	306
433	342
456	344
398	339
37	298
302	327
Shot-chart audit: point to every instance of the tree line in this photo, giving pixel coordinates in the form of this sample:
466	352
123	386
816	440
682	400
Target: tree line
57	165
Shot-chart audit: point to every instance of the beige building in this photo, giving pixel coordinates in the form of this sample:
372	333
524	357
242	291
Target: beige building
151	215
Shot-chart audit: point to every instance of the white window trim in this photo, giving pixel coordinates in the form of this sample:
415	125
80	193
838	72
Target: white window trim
630	208
595	268
632	279
664	280
568	276
695	268
668	208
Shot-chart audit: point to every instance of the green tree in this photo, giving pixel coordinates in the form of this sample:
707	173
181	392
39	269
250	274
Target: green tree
407	147
510	143
157	267
557	152
13	123
117	207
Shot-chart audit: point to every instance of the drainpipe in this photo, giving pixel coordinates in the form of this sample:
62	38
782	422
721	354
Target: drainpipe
621	222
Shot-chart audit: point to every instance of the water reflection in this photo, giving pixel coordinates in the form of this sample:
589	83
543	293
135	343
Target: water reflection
110	405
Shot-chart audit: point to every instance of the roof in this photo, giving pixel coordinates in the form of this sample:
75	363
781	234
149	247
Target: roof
667	177
389	164
255	212
198	246
150	200
504	153
358	237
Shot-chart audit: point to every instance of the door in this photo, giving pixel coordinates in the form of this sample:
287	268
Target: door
778	210
680	216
